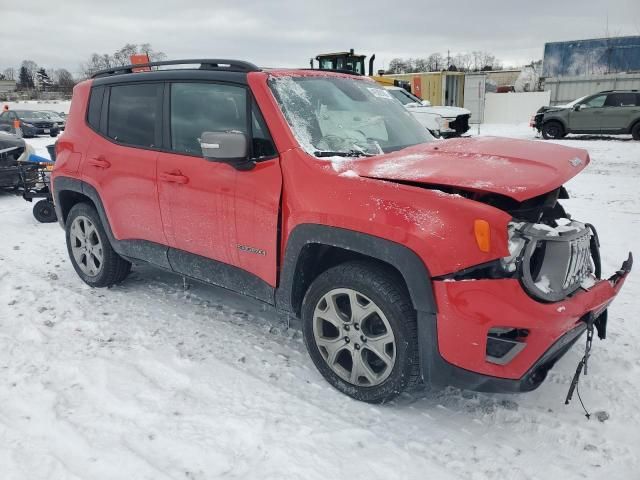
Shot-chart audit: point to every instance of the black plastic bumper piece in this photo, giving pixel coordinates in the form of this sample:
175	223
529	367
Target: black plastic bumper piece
437	371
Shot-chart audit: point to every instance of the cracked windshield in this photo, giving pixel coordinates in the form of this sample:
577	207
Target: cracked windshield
333	116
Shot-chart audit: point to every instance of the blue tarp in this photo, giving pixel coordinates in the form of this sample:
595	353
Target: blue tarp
591	57
37	159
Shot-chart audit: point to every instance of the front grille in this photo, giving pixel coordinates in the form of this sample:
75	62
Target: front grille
556	261
460	124
43	124
580	263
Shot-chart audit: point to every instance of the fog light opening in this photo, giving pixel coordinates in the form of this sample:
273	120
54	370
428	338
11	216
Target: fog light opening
504	343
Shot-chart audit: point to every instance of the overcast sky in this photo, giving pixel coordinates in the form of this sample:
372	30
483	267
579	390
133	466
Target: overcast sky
288	33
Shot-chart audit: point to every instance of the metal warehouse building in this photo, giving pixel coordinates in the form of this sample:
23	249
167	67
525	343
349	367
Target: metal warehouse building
597	56
582	67
7	86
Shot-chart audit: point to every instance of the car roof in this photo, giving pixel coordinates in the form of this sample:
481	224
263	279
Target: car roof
618	91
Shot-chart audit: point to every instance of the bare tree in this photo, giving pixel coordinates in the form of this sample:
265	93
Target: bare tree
64	80
435	62
9	73
421	65
31	67
119	58
463	62
397	65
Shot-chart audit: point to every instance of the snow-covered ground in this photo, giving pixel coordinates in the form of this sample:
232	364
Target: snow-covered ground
148	380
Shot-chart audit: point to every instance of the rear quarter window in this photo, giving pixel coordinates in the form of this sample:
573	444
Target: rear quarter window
621	100
95	107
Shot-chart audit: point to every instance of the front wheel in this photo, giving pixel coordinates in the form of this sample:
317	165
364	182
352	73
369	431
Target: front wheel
635	131
360	330
553	131
91	254
53	134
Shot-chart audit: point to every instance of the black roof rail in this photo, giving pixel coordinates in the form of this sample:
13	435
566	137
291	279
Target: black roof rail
205	64
619	90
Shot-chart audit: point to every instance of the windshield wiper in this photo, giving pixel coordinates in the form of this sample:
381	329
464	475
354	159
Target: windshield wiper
348	153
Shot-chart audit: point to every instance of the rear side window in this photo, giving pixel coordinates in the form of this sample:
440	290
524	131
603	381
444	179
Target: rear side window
205	107
621	100
95	106
134	114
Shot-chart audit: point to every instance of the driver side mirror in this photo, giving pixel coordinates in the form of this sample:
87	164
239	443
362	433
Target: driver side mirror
578	107
426	103
226	147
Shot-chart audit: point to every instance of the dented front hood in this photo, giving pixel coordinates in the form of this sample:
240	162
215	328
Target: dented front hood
520	169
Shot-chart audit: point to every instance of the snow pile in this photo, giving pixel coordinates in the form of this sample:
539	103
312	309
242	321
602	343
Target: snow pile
148	381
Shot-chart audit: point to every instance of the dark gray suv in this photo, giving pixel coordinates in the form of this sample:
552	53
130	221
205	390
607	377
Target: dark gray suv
615	112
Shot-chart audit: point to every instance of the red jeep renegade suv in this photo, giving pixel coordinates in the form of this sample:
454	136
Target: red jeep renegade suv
408	260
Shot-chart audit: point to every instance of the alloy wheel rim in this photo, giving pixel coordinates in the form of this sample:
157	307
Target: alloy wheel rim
354	337
86	246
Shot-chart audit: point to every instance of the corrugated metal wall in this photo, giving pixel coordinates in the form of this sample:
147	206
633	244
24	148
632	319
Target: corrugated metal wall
566	89
474	95
592	57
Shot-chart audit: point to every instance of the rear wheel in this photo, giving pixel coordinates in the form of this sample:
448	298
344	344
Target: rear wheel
553	130
91	254
635	131
360	330
44	211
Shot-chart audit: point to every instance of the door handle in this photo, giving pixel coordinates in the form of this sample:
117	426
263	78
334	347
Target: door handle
99	162
174	178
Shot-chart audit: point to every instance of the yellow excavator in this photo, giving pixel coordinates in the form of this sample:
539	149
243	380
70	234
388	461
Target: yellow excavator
352	63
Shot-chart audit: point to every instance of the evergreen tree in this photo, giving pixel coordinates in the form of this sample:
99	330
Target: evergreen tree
42	79
25	79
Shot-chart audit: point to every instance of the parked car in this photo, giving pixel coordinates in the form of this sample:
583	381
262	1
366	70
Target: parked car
613	112
407	260
13	150
31	122
55	117
455	119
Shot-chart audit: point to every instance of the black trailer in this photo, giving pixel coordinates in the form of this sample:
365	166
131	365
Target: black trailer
28	175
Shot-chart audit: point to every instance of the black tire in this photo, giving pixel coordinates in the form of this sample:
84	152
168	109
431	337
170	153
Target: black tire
553	130
44	211
635	131
53	134
114	268
385	289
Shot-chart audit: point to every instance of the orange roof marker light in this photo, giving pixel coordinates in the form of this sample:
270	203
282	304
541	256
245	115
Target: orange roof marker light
140	59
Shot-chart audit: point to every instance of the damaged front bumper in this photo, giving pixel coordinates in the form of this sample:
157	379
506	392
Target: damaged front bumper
468	311
502	327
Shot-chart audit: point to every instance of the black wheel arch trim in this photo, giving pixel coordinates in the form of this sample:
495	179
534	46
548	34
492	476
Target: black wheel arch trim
559	120
131	249
403	259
